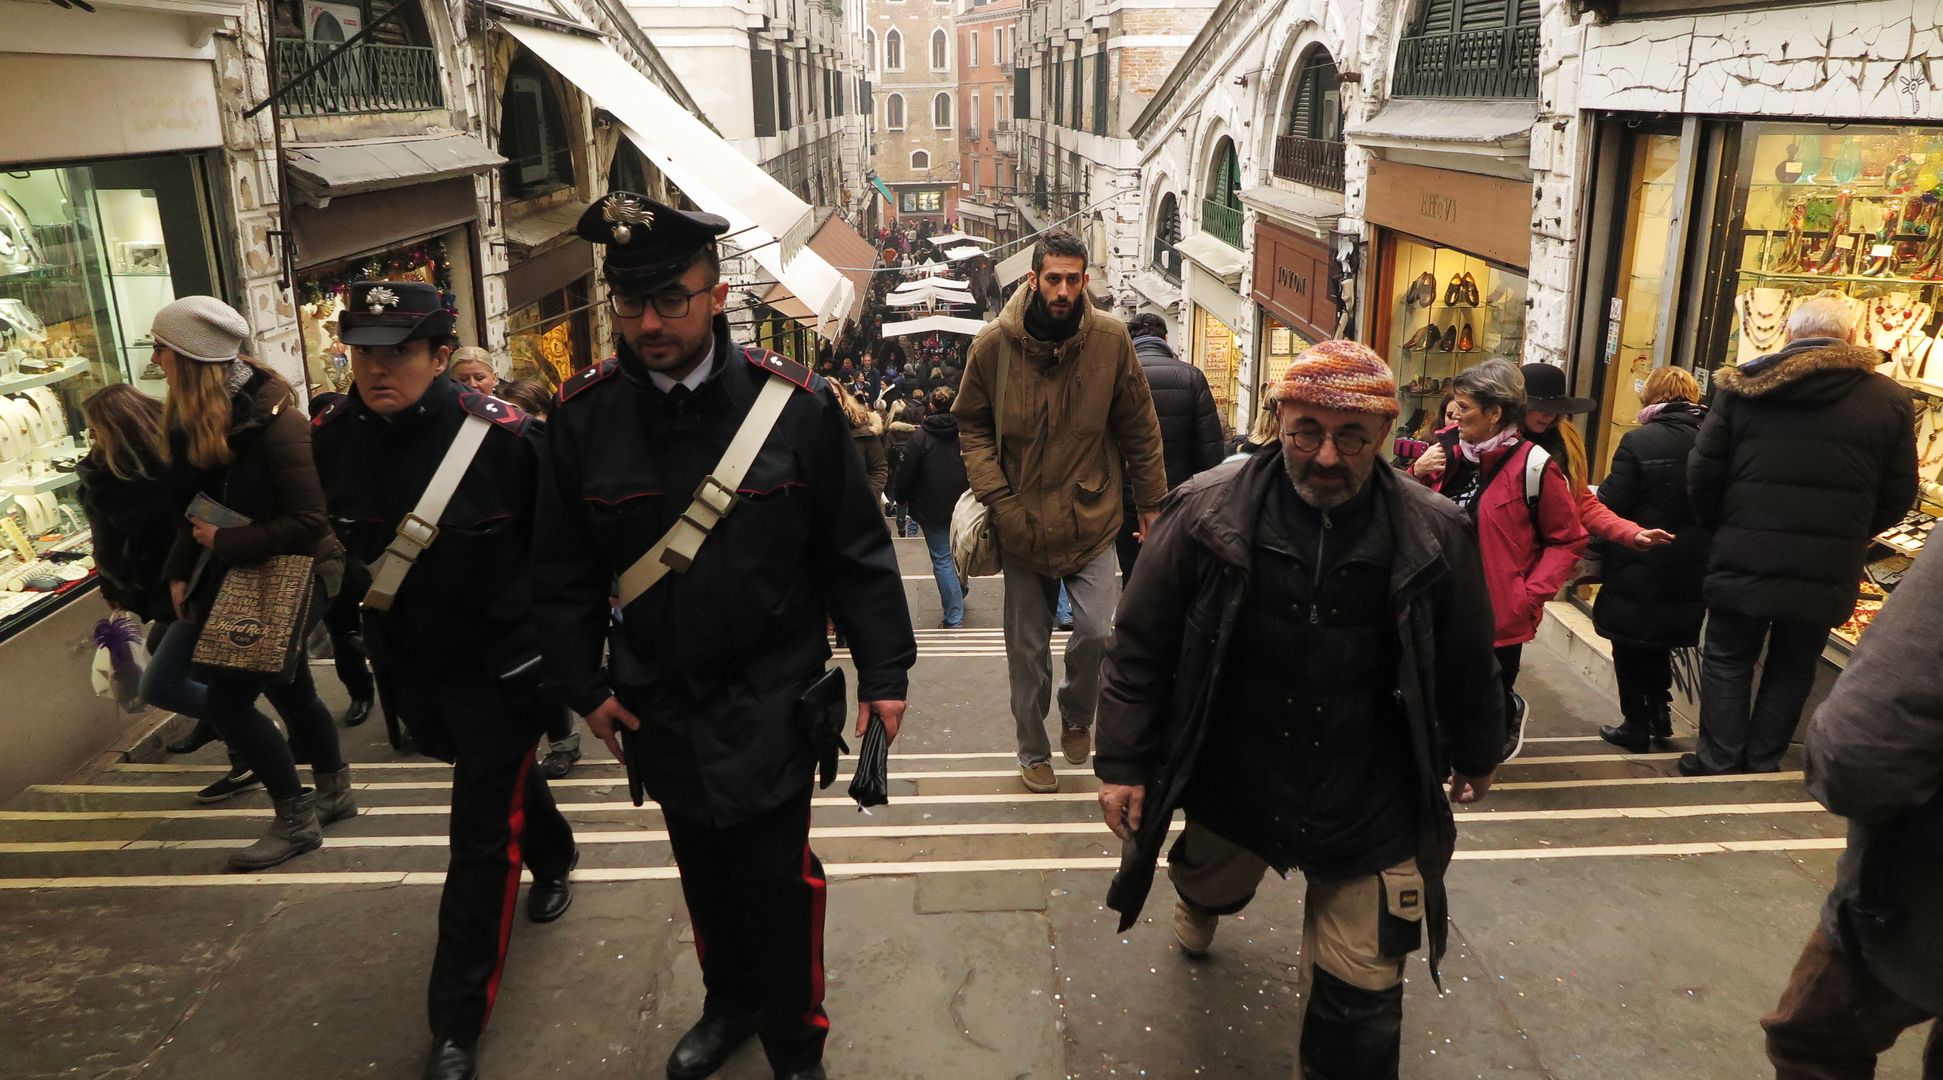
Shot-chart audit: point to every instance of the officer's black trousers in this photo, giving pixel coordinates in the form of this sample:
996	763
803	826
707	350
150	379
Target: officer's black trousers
755	894
347	644
503	817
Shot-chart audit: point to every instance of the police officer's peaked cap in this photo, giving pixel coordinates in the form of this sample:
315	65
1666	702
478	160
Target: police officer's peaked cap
648	243
393	312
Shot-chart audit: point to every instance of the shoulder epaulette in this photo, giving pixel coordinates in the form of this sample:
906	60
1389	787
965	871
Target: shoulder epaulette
587	377
331	412
503	414
778	364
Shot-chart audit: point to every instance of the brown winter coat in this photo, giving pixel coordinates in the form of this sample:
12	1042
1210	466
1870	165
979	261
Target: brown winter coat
270	479
1078	414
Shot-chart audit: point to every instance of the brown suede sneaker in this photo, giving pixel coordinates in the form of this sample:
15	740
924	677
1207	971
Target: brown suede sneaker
1076	744
1193	930
1039	779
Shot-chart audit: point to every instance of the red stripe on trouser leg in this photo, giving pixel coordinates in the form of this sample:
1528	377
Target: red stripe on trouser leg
813	877
515	825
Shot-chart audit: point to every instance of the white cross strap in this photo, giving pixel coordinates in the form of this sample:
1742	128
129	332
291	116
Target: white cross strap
420	527
713	499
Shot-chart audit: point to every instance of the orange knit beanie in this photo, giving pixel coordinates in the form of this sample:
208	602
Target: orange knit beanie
1340	374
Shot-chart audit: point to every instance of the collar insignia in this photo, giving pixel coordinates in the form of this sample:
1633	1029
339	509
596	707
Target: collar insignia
624	212
380	299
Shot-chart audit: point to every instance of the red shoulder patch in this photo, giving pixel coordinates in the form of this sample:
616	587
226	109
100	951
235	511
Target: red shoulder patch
331	412
778	364
504	414
587	377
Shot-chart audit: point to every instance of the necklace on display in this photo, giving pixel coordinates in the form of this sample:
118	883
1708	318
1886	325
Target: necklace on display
1763	330
1892	317
1932	453
22	318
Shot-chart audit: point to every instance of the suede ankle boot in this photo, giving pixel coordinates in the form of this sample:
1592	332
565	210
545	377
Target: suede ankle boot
294	832
334	799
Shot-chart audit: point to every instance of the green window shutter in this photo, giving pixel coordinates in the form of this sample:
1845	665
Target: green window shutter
762	85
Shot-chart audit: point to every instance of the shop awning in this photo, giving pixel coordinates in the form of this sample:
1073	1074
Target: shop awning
320	172
928	296
1216	256
533	232
848	255
706	168
1306	212
1486	125
882	190
944	324
945	240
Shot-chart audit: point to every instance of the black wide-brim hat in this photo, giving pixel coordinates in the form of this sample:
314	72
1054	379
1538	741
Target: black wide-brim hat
1545	391
648	244
392	313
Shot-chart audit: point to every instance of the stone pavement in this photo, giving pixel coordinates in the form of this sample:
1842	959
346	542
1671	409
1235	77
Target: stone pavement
1610	919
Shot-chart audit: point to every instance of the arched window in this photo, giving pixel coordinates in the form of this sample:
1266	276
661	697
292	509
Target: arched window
1167	233
1221	201
1315	105
940	51
533	132
941	111
629	171
894	112
893	50
920	159
870	49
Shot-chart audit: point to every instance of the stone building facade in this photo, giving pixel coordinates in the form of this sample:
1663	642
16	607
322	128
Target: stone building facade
988	153
915	132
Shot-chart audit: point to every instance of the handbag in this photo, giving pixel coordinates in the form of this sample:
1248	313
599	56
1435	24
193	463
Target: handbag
255	627
974	543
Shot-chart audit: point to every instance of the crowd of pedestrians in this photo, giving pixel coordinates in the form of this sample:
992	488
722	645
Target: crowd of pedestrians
1317	657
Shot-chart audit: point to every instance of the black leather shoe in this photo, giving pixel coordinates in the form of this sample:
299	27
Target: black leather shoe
707	1046
549	898
358	712
1630	736
1662	720
199	736
1690	766
452	1060
814	1072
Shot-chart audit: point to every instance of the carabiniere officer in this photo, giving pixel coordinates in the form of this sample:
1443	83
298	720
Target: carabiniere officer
456	652
708	665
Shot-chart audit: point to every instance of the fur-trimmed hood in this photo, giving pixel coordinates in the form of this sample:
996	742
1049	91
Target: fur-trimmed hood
1809	368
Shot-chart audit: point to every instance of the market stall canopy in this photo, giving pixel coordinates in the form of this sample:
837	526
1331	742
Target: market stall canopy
928	296
320	172
767	222
948	239
933	283
944	324
848	253
968	251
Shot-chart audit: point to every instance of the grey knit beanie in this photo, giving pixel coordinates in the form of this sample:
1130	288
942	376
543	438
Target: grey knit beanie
201	328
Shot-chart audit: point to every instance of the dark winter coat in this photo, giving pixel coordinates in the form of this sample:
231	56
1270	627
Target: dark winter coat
1806	455
270	479
714	660
1174	633
1652	599
868	438
1875	756
1190	429
932	475
133	524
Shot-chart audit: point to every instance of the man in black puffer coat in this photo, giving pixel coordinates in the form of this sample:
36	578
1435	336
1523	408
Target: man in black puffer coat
1191	439
929	481
1806	455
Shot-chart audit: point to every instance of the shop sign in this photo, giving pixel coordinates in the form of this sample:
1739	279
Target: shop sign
1487	216
1291	280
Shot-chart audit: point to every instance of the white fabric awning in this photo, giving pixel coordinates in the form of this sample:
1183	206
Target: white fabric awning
947	324
950	238
767	222
932	283
967	251
928	296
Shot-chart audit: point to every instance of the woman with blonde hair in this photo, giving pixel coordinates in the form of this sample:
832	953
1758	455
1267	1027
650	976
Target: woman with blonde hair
867	433
1650	602
236	433
472	368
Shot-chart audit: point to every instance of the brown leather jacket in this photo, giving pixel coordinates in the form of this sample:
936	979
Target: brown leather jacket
1078	415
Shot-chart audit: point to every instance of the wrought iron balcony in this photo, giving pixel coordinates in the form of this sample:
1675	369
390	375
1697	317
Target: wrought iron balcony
360	79
1221	221
1315	162
1167	260
971	134
1497	63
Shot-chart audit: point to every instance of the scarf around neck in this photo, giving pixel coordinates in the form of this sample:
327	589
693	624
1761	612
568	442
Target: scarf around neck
1474	451
1040	323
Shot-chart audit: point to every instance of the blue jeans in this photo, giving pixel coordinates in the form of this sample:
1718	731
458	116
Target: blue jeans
1063	612
166	682
951	595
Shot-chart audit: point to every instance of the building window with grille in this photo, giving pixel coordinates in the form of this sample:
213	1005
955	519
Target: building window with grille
1311	149
1167	233
1469	49
894	112
533	133
1221	205
893	51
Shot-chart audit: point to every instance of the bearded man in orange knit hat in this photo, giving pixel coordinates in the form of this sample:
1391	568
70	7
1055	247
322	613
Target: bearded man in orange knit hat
1302	665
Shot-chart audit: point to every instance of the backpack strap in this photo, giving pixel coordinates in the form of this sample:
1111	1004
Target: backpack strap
1535	461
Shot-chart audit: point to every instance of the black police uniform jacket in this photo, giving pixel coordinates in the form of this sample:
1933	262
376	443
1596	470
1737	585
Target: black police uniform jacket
464	612
713	660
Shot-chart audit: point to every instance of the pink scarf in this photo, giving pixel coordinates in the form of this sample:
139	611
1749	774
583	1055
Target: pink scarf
1473	451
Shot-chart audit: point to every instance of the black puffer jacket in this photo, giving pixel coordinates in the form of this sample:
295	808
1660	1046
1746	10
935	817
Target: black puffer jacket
133	523
1652	599
1806	455
932	475
1190	429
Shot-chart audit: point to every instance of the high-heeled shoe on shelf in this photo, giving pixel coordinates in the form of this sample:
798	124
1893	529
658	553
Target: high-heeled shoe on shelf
1416	340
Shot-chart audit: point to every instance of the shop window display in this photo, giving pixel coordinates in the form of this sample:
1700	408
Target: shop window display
551	339
1451	311
1852	214
1218	357
88	254
322	290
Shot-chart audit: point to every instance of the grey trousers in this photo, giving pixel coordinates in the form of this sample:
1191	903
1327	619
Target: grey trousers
1029	601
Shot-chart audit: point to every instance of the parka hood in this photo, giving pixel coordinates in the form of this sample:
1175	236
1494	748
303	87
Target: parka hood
1810	371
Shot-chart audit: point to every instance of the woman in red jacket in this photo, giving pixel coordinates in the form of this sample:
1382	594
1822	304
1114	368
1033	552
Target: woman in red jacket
1528	546
1547	423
